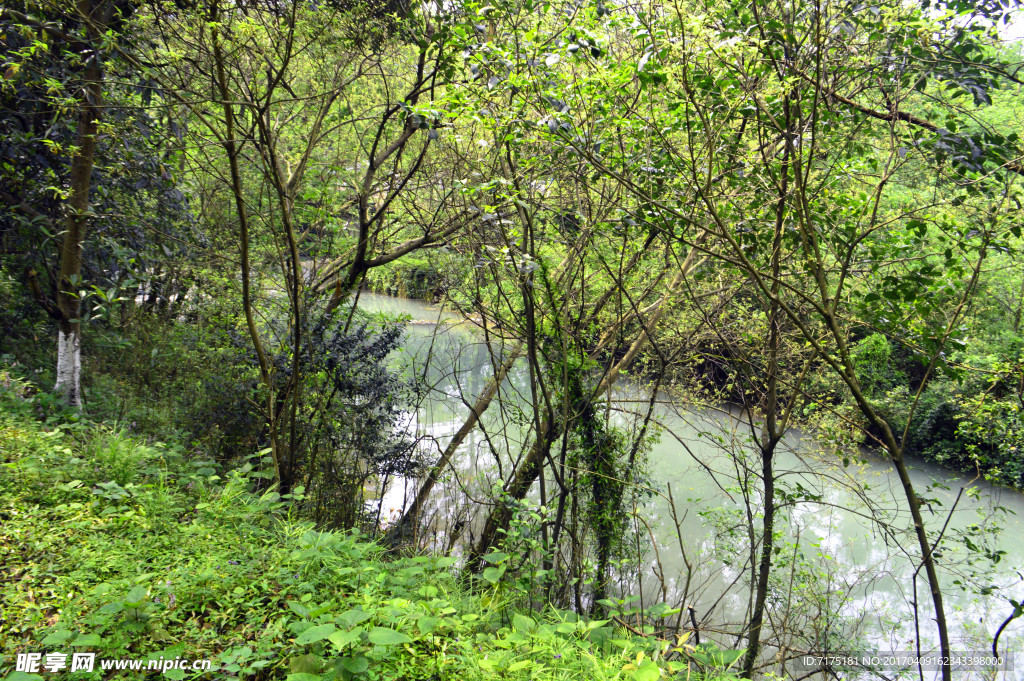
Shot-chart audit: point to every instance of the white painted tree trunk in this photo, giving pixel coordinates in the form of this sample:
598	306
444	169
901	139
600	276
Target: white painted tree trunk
69	366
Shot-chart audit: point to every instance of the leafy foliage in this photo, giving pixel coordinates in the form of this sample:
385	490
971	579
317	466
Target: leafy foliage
234	575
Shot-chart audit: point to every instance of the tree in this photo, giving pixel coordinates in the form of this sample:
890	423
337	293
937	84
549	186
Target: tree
772	141
62	172
780	102
92	19
324	115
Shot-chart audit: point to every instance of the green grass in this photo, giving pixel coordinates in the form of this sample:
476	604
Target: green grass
134	550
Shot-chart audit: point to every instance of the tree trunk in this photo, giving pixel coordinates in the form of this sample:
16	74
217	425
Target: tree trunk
498	520
771	431
69	335
516	490
407	526
765	564
69	363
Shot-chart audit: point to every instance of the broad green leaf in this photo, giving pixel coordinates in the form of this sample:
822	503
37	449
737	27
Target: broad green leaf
426	624
496	557
314	634
298	608
647	671
305	664
355	665
728	657
523	623
387	637
343	638
88	640
136	596
57	637
351	618
496	572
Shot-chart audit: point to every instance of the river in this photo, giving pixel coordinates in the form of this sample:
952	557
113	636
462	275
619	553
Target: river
838	575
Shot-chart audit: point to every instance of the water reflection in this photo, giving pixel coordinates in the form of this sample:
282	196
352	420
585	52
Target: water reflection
841	570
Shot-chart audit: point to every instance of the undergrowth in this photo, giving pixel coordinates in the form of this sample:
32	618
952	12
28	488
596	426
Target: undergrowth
141	550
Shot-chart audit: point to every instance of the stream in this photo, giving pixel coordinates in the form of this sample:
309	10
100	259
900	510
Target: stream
838	576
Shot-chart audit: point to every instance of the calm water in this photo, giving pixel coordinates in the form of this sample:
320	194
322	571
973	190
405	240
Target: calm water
835	563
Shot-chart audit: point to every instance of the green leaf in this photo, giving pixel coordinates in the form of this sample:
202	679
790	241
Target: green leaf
298	608
523	623
136	596
496	557
729	657
355	665
305	664
314	634
58	637
493	574
387	637
23	676
426	624
88	640
342	638
351	618
647	671
303	676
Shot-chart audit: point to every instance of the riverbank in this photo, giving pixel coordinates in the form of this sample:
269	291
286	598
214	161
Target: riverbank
134	550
